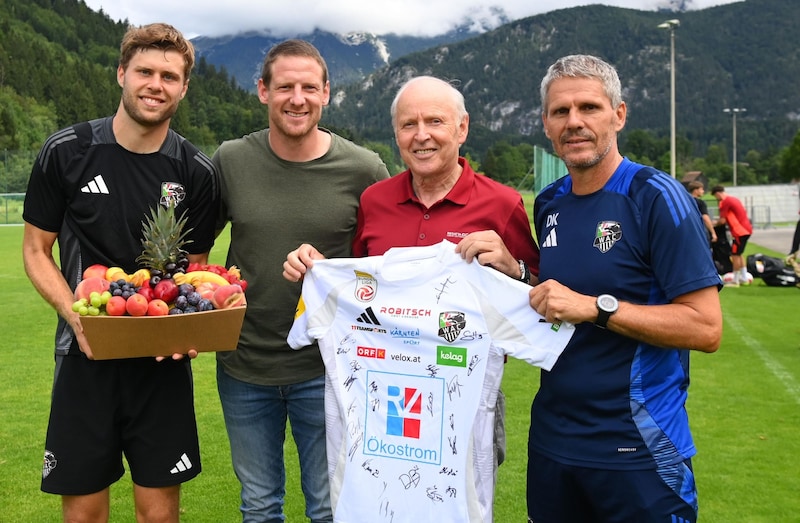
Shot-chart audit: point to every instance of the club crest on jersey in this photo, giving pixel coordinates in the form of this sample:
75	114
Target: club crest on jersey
451	323
366	286
607	234
49	463
172	193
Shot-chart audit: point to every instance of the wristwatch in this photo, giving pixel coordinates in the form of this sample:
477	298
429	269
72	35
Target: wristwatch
606	306
524	272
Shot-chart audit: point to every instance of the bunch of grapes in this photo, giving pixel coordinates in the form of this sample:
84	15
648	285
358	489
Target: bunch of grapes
93	305
171	268
122	288
189	300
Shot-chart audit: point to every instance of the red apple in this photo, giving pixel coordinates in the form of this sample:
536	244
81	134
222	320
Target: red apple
90	285
166	290
227	296
97	270
116	306
157	308
147	292
136	305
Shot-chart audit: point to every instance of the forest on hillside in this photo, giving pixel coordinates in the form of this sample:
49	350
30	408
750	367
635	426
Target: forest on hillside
58	60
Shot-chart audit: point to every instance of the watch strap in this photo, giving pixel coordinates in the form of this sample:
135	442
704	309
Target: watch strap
602	319
606	306
524	271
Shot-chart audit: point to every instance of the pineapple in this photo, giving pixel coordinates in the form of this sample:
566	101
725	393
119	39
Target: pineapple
162	240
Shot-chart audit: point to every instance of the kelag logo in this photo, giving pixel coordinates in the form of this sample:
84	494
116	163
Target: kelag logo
404	412
453	356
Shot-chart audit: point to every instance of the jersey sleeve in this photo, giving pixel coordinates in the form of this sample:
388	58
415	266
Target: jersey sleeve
45	202
677	249
514	326
316	308
311	296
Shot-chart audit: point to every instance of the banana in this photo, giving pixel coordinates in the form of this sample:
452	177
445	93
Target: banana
117	273
198	277
139	277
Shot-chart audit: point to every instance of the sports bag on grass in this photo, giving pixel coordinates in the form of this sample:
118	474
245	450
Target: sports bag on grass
773	271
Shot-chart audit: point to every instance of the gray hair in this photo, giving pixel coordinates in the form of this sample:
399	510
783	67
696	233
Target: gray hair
458	98
583	66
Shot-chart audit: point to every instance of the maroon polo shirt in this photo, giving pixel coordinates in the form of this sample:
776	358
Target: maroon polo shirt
391	215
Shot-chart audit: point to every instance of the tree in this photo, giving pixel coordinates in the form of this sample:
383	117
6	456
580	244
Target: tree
387	156
472	163
8	129
641	146
789	168
506	163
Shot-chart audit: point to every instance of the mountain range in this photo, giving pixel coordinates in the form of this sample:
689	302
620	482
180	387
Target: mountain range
350	57
58	62
742	55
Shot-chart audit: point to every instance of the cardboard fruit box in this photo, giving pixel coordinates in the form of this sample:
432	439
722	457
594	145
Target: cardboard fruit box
114	337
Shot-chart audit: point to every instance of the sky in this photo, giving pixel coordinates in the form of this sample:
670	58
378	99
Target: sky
407	17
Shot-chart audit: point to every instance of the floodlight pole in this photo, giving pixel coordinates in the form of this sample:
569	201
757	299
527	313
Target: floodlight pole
671	25
734	111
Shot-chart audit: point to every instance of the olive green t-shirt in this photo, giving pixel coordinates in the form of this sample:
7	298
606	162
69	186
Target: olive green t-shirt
273	206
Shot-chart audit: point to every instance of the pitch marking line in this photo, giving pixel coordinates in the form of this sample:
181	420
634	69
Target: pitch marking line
778	370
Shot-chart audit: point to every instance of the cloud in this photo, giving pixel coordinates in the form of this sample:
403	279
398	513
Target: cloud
409	17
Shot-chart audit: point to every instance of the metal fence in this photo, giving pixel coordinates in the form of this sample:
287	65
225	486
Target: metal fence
11	208
760	216
546	169
15	168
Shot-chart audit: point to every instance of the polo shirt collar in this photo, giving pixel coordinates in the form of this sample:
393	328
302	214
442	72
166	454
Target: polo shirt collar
459	193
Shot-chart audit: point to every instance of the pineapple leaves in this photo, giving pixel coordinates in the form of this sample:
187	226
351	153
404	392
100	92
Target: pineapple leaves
163	237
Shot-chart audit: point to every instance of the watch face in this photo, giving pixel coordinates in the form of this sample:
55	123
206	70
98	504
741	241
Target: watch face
607	302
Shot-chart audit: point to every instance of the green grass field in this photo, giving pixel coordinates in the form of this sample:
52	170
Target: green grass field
744	407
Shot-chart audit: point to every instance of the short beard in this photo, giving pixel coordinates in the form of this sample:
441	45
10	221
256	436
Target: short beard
586	164
129	104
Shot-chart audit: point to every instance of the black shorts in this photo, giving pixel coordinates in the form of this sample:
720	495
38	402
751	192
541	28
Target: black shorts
559	493
738	244
101	410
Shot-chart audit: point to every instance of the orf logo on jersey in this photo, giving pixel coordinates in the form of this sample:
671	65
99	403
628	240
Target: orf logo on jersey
366	286
404	412
451	323
172	193
608	233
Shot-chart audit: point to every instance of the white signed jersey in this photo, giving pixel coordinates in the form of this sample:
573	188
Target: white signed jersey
414	343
